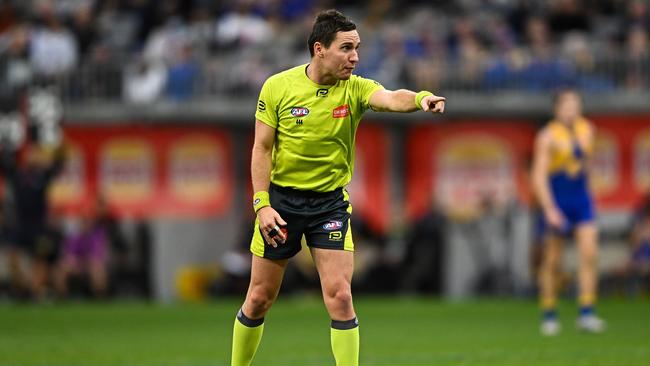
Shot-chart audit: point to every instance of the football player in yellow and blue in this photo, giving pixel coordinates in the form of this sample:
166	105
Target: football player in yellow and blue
303	157
563	149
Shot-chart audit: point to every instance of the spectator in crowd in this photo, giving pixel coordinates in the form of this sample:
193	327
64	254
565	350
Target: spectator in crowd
586	77
84	29
15	70
637	59
242	27
182	76
545	71
144	81
467	52
636	15
54	50
166	41
515	49
7	16
118	26
568	16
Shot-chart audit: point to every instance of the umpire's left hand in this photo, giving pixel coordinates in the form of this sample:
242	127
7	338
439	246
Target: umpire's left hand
433	104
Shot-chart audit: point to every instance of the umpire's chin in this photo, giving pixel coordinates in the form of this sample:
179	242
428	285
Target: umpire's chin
346	73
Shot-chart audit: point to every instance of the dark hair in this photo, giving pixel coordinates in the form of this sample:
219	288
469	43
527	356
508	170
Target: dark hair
327	24
562	92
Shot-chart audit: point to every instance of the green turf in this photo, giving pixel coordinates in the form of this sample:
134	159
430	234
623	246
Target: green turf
394	332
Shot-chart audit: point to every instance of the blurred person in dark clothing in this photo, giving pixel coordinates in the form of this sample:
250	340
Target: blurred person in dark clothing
107	218
634	272
639	262
568	16
29	185
422	266
124	276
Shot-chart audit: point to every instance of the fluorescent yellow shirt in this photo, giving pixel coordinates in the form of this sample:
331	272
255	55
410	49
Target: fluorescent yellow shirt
315	127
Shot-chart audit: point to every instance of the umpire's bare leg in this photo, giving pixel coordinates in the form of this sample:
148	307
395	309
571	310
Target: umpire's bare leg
266	278
335	269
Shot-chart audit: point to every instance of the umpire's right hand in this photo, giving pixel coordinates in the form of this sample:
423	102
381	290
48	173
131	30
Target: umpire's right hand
270	222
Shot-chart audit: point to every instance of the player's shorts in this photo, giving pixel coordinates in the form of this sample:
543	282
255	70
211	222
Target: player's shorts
323	218
575	213
37	241
574	201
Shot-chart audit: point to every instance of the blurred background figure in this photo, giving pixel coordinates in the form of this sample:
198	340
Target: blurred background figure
638	267
561	182
85	253
33	231
422	270
632	277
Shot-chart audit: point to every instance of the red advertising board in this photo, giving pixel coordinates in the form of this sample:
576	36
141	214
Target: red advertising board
369	188
458	165
142	171
621	166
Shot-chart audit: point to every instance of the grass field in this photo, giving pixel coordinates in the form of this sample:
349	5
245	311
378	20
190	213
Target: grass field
395	332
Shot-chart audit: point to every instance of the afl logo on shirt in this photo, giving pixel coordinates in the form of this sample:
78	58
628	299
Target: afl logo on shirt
341	111
299	111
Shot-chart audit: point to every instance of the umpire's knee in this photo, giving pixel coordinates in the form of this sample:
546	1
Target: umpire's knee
340	298
259	302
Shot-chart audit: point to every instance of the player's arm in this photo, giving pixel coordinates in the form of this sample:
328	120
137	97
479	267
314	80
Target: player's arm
403	100
540	182
261	177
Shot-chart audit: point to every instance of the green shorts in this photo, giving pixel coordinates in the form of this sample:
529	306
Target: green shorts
323	218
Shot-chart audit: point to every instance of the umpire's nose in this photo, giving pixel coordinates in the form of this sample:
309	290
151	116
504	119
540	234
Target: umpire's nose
354	57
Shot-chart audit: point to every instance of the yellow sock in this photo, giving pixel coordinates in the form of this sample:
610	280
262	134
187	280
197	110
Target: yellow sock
246	337
587	299
345	342
548	302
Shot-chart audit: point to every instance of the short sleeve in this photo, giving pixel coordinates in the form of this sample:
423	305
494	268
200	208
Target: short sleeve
266	105
365	88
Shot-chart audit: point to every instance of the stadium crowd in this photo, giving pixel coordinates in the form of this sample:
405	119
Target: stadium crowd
144	50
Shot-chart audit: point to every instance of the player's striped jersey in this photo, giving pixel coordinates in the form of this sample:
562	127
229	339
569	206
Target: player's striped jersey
315	127
571	147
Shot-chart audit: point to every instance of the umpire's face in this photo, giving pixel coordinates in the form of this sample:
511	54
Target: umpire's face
342	56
